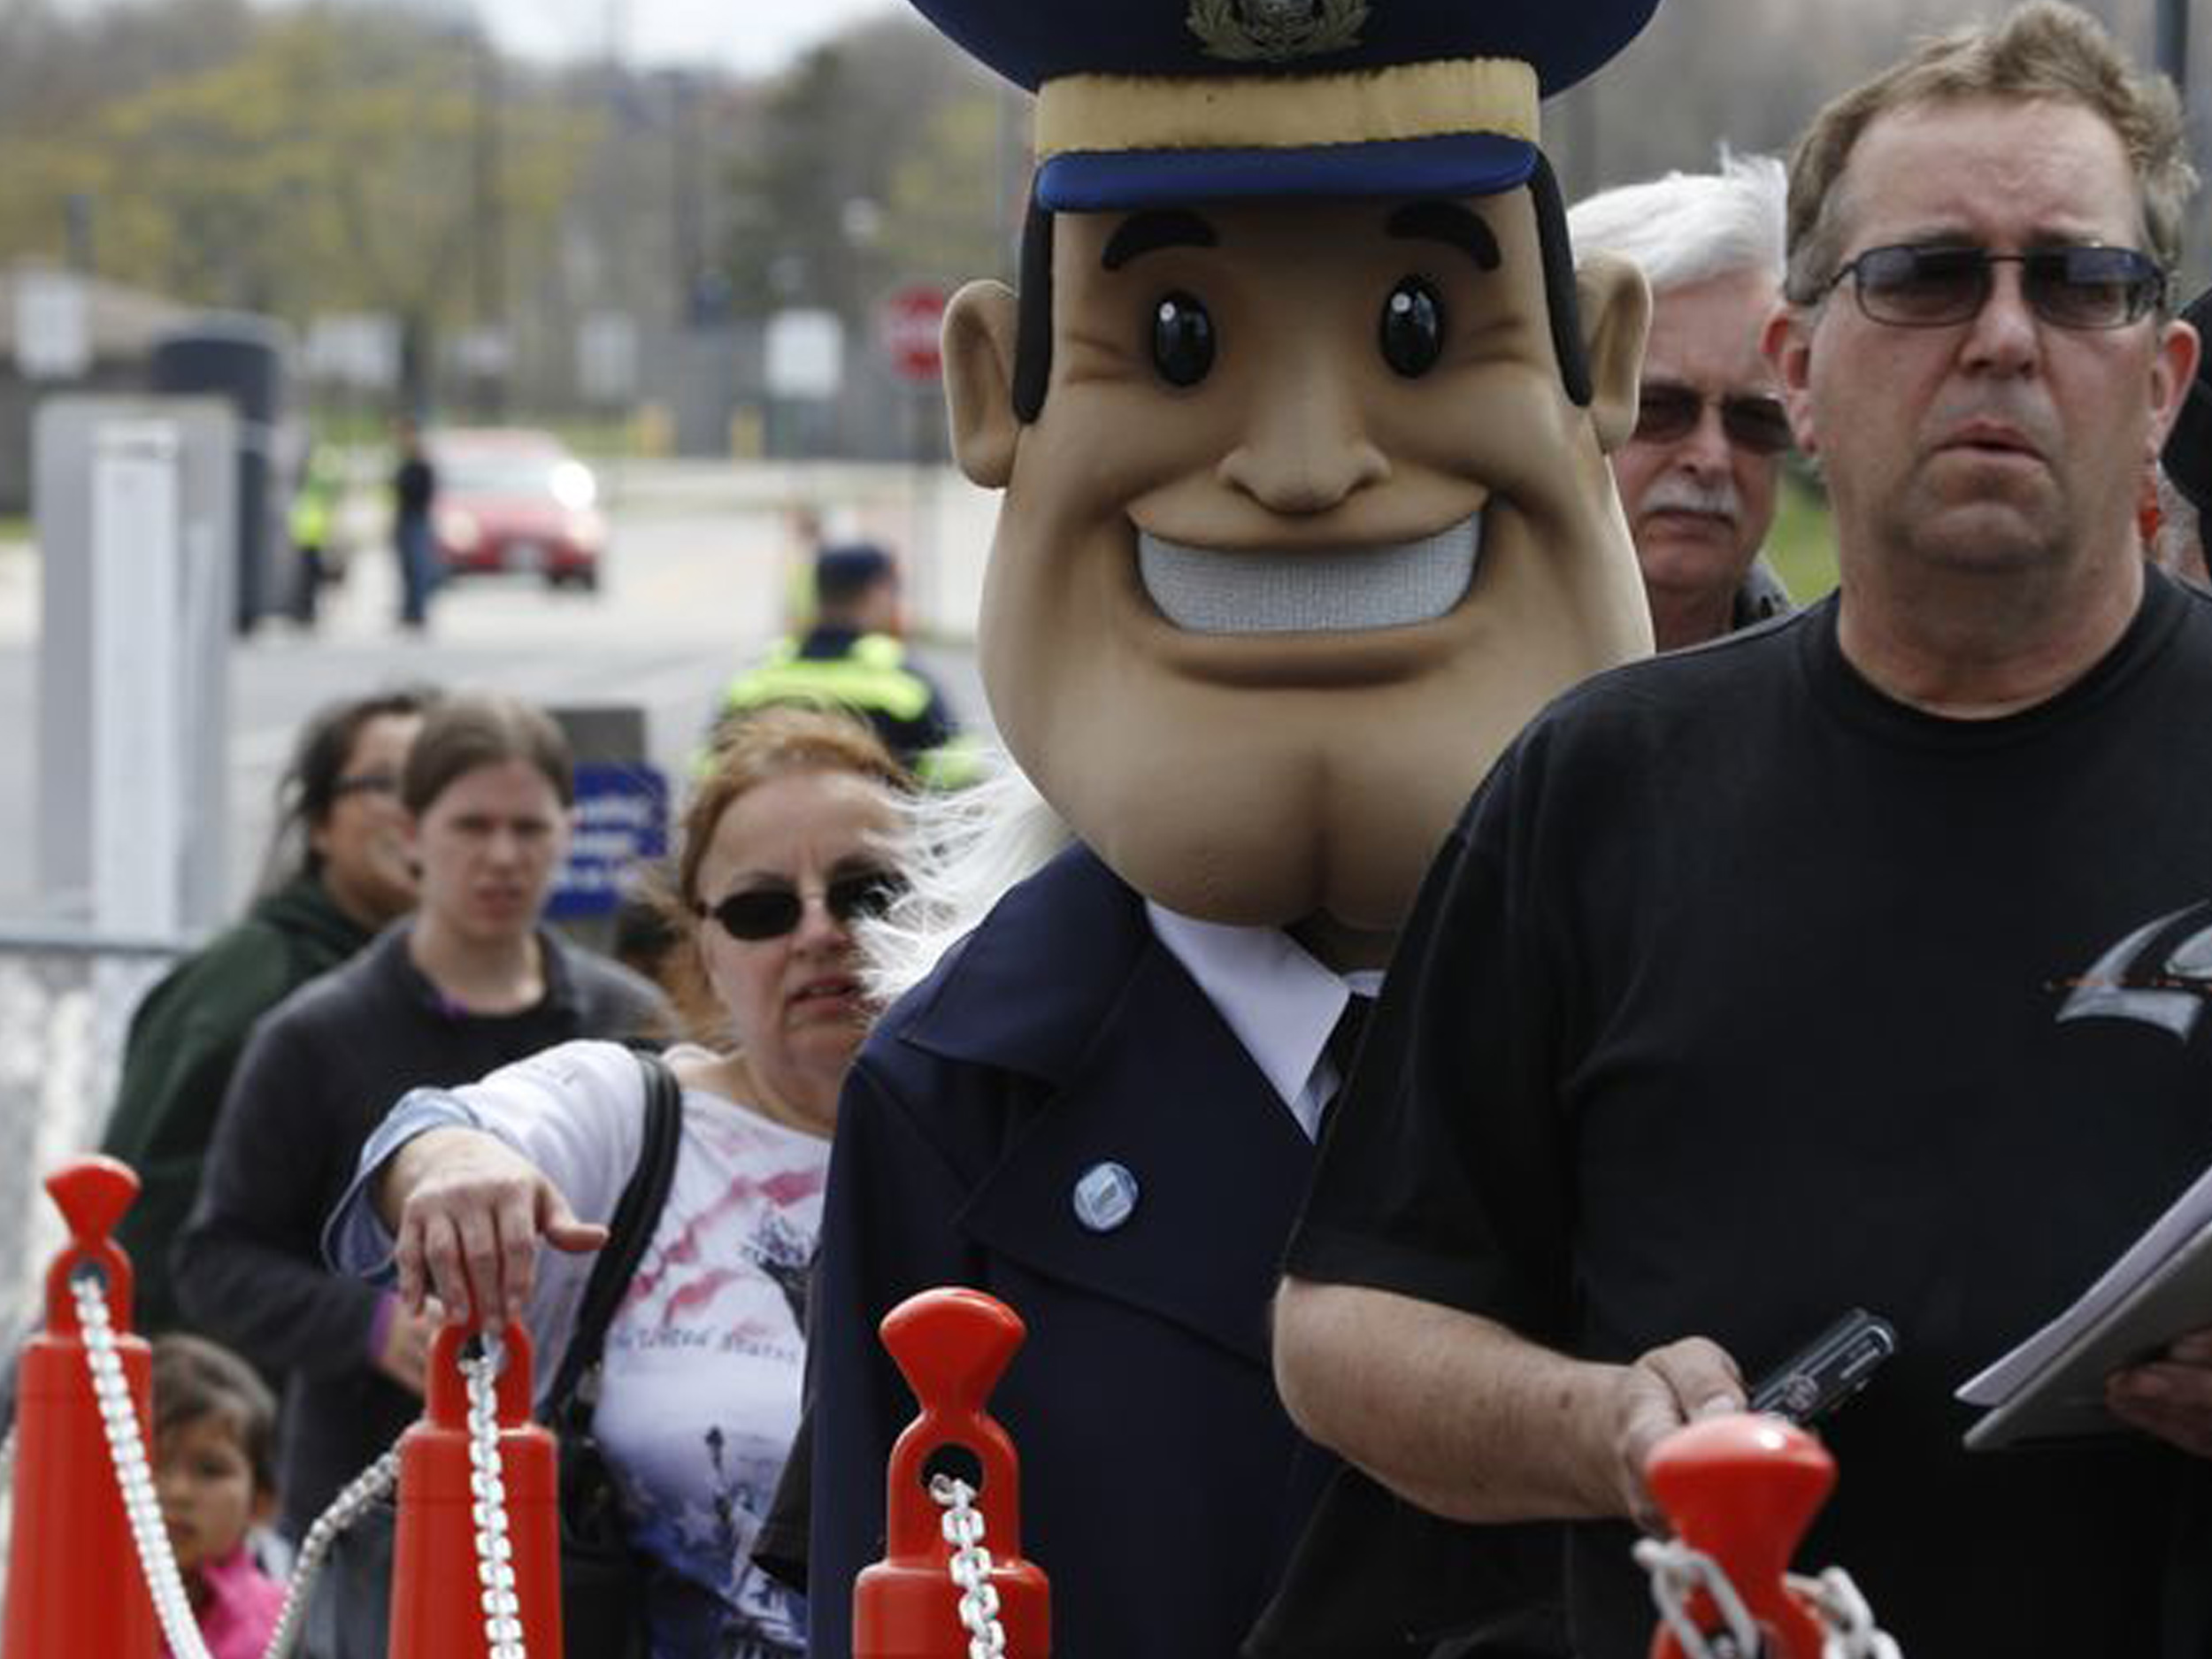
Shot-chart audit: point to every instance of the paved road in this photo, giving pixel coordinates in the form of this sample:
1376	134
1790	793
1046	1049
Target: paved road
694	584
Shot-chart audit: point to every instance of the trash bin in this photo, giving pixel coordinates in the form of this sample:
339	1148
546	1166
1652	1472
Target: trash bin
246	360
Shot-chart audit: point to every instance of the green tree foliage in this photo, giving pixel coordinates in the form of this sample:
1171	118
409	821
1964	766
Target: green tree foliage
331	158
873	160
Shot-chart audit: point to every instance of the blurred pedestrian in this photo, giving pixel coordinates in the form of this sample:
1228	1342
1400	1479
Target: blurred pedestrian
469	982
785	845
414	497
854	656
337	871
312	521
1698	476
2182	478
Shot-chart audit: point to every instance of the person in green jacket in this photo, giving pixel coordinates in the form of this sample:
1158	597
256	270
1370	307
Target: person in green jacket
337	871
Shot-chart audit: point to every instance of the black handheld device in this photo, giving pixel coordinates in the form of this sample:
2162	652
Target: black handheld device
1828	1370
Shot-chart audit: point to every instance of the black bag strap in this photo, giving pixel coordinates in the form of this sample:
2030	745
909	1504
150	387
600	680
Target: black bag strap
635	1216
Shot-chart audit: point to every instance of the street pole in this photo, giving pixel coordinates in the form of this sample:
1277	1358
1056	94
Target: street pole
2173	45
491	231
683	184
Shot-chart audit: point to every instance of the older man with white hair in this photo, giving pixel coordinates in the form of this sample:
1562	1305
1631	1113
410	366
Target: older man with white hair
1698	479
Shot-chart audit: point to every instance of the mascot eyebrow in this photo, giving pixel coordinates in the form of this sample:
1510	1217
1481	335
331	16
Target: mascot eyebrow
1164	228
1446	222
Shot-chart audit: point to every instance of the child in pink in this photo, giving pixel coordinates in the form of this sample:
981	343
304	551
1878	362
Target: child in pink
214	1467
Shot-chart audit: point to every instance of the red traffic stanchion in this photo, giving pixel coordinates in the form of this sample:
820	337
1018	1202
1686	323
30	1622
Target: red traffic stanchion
952	1346
75	1582
451	1490
1741	1490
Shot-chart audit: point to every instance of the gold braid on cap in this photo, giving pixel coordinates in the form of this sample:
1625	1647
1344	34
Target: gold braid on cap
1090	113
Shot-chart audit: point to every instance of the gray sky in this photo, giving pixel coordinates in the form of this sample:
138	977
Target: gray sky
753	36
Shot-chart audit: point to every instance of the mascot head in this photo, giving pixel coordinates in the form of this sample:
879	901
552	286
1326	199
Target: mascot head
1302	416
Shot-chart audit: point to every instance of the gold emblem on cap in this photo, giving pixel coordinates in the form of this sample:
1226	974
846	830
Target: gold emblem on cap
1275	31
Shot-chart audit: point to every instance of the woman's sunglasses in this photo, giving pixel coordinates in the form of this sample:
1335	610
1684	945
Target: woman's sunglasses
773	909
1755	425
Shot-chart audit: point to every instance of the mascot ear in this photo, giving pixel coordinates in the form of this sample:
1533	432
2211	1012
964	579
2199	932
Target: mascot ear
979	348
1616	306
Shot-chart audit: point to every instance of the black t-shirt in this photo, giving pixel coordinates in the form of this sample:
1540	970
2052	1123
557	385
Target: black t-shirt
1742	995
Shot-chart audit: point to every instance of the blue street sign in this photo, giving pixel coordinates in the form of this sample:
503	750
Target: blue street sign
621	821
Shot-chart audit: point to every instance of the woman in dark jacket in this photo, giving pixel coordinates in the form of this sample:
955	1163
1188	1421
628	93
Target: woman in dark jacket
337	871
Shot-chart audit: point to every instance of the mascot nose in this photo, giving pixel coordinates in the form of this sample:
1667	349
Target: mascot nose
1305	446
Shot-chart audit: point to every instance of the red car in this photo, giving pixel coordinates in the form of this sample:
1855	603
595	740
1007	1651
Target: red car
512	500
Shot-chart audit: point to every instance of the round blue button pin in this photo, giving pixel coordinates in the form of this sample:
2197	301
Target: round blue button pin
1106	1197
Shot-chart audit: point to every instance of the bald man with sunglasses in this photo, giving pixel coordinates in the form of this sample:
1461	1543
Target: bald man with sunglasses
1698	476
1853	962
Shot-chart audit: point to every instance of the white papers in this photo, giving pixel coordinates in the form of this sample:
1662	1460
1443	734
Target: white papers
2052	1383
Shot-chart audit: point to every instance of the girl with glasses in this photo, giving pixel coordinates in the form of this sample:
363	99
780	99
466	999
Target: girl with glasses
498	1194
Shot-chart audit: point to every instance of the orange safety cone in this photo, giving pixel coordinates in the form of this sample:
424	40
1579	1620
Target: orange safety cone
440	1606
1742	1489
75	1582
951	1346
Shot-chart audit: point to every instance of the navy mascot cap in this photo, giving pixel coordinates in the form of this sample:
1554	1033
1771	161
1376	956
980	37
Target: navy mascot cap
1145	102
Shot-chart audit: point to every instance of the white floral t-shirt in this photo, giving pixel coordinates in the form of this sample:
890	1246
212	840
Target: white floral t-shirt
699	1392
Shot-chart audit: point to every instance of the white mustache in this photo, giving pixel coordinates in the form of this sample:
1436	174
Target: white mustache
1673	493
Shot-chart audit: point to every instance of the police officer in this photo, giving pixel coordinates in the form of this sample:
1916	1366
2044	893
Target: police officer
853	658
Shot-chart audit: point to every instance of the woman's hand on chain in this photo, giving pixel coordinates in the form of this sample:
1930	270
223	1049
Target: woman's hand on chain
467	1213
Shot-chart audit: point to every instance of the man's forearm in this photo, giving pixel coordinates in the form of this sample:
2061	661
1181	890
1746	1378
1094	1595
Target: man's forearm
1455	1412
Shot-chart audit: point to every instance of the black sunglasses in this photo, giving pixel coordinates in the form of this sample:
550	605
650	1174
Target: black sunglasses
772	909
1753	424
2070	286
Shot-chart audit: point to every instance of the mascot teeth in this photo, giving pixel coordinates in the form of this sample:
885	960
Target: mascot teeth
1323	590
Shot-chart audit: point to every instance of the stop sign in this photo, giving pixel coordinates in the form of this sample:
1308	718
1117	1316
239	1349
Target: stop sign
909	322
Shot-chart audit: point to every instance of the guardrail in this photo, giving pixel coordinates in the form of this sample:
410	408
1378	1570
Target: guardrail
65	1002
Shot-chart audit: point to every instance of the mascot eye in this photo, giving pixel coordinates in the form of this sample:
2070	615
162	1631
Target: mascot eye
1411	333
1182	339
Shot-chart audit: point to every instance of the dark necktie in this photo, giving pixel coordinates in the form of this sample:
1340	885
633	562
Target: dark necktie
1342	1049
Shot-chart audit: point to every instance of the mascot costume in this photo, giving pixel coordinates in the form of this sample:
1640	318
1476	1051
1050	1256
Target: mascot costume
1301	416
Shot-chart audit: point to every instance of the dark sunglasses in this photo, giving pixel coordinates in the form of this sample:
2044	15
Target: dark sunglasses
365	783
773	909
2072	286
1755	425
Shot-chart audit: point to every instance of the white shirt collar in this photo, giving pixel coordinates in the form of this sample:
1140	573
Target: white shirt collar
1276	998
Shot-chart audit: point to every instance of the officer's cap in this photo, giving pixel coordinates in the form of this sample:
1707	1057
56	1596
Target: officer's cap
2187	456
847	569
1143	103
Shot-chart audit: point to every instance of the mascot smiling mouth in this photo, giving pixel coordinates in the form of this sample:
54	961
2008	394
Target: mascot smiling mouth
1317	590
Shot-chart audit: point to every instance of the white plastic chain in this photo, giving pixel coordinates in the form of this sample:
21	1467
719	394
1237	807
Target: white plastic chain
1678	1572
366	1488
126	1448
970	1567
495	1550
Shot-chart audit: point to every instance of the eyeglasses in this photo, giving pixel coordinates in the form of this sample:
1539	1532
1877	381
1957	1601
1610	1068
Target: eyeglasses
773	909
365	783
1755	425
2072	286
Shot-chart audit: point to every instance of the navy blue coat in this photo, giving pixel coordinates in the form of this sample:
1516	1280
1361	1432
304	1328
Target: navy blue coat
1162	1486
